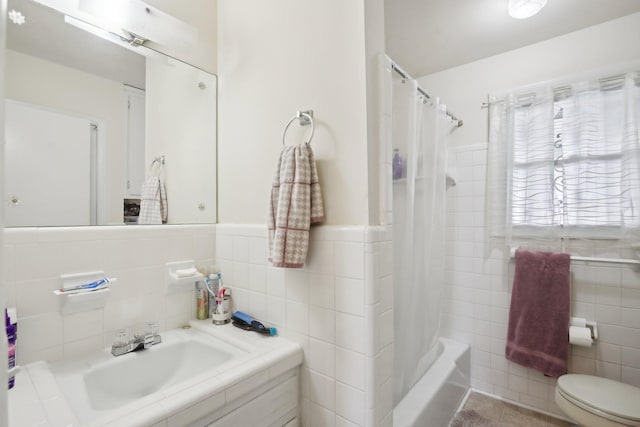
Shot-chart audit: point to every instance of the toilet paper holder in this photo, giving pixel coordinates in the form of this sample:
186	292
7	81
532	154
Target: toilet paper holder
584	323
593	326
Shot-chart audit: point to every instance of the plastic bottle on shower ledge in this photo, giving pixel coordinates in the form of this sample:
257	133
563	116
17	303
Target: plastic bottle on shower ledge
397	165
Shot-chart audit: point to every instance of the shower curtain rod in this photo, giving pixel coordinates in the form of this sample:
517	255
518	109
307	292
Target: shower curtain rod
426	94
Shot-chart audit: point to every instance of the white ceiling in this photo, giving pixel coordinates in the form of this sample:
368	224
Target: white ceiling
425	36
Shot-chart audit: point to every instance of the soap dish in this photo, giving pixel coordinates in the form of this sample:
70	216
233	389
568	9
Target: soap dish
76	303
176	282
85	301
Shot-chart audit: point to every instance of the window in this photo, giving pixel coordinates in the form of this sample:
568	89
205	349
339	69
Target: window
567	161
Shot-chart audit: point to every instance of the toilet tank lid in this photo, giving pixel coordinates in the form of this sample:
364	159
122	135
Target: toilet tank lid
603	394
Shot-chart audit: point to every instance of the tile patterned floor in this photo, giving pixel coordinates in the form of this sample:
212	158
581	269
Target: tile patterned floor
483	411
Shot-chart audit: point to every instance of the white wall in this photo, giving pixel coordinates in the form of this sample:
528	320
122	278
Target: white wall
478	284
278	57
47	84
466	87
374	48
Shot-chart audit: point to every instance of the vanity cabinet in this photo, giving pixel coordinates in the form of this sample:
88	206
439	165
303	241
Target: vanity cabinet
274	406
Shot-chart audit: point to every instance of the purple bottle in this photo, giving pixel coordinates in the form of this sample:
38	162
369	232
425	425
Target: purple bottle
397	165
11	336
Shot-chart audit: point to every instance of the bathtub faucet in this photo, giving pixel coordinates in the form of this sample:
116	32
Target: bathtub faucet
123	345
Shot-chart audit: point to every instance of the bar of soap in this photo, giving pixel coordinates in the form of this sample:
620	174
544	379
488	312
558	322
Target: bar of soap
186	272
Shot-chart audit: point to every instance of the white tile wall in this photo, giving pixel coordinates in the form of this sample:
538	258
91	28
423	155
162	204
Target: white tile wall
332	307
36	257
477	299
339	307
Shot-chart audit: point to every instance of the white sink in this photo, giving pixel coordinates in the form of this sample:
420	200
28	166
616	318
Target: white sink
194	373
138	374
102	384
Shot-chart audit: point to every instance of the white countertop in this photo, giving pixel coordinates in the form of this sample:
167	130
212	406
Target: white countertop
37	398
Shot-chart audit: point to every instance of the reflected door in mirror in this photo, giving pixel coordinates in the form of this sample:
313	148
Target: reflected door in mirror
48	158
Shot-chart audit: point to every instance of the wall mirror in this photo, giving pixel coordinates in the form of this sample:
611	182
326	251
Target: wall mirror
89	120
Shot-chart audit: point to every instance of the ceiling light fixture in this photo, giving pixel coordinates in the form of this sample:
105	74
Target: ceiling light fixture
126	40
522	9
139	18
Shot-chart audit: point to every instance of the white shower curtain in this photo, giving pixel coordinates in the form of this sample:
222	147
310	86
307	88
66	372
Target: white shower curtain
420	129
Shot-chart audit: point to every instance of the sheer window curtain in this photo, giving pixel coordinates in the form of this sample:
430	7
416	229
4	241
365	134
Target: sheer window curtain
564	162
601	150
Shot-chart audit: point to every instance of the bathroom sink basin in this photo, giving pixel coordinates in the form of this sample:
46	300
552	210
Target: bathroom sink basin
189	376
129	377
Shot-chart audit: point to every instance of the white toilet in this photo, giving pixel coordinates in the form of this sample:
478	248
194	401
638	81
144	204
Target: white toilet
598	402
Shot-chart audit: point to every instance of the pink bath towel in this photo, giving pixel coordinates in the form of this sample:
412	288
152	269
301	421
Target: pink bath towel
538	335
296	203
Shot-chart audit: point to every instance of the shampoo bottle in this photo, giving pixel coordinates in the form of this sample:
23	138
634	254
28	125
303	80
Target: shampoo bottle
201	302
202	298
11	337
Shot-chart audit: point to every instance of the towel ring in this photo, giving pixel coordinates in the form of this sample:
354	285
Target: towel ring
305	117
159	161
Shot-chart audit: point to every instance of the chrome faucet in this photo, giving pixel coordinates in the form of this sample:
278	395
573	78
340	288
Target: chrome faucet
123	345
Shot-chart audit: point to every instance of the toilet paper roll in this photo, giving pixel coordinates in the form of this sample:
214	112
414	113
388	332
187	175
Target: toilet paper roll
580	336
579	321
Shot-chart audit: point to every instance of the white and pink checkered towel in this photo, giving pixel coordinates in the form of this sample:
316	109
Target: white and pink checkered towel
153	203
296	203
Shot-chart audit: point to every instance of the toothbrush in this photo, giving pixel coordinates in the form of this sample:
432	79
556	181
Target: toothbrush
220	300
244	321
208	283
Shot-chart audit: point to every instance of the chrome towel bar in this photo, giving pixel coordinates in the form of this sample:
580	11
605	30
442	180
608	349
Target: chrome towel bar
594	259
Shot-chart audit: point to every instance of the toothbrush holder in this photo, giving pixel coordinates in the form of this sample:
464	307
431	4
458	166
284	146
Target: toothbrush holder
221	319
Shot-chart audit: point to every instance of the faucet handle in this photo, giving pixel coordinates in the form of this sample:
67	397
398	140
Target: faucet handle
151	336
152	328
121	338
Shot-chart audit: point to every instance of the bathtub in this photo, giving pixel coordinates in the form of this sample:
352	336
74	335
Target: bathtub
434	399
203	376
